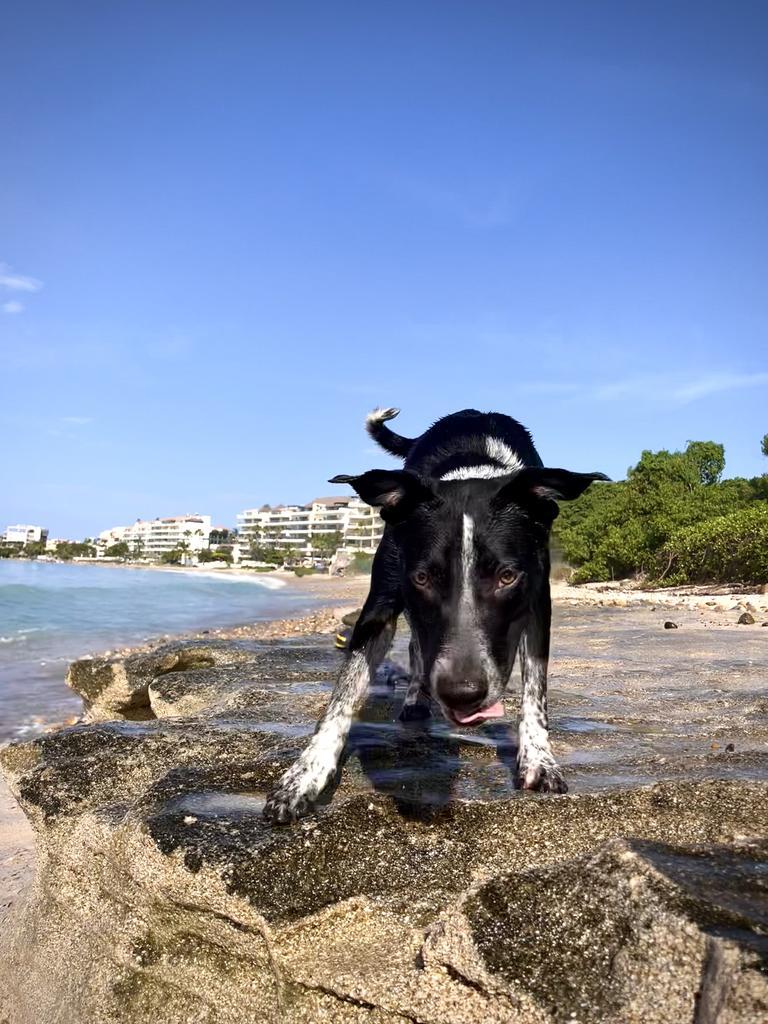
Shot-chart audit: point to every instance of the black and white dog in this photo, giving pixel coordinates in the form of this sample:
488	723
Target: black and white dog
465	558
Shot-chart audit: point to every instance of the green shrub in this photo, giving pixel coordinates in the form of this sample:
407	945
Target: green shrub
361	564
215	555
302	570
727	549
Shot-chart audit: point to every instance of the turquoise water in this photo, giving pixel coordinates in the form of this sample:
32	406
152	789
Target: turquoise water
51	614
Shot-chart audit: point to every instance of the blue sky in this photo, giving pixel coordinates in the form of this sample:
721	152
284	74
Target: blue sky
228	230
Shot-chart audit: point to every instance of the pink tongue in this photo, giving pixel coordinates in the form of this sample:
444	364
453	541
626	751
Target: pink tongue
494	711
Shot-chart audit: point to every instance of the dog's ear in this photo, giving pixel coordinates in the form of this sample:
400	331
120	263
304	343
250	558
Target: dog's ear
536	482
397	492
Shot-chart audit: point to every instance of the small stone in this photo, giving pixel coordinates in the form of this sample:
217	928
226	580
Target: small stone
730	749
746	619
670	625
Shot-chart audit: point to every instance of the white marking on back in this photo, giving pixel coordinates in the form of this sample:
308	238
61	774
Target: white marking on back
501	452
497	450
484	472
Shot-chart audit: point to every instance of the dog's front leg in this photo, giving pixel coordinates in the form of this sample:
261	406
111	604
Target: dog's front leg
416	704
536	765
317	764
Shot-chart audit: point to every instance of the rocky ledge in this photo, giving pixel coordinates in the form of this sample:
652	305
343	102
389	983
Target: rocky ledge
426	890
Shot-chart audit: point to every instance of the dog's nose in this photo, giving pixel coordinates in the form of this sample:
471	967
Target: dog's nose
458	692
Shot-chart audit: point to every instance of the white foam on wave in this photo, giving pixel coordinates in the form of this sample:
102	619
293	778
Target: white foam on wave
268	582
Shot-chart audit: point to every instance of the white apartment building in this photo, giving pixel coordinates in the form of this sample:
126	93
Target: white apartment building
296	526
24	533
149	538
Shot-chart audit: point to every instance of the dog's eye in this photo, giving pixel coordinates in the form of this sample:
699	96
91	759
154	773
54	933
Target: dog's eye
420	578
507	577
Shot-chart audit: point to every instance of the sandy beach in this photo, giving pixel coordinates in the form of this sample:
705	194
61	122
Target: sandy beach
697	608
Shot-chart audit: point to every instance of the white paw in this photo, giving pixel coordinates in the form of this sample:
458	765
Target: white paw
285	805
542	777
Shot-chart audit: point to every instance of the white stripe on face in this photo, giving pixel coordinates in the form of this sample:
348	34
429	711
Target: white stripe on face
467	629
467	601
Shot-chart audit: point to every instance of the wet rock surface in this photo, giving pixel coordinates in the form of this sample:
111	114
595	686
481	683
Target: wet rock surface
427	889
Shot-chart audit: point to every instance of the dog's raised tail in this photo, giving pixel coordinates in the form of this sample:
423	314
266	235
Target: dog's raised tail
375	424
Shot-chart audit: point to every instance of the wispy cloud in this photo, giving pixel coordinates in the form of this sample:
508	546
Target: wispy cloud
78	421
18	282
13	282
548	387
481	209
716	382
668	388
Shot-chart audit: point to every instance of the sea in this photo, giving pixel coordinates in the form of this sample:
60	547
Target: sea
52	613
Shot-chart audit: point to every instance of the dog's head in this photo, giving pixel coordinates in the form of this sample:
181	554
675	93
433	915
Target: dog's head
472	556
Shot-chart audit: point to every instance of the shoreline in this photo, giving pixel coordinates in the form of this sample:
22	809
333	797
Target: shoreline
337	595
208	569
718	599
619	593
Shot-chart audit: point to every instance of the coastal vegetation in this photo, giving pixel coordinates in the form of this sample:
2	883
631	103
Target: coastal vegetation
219	554
119	550
69	549
674	520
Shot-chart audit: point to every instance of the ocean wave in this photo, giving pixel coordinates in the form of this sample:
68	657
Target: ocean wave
269	583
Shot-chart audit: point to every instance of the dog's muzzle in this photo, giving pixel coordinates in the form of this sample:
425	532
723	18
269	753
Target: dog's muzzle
464	700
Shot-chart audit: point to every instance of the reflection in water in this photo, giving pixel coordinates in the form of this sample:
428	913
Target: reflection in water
420	764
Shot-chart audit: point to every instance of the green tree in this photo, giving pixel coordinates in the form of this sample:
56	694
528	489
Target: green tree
68	549
617	530
764	445
119	550
172	557
219	554
325	545
708	458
